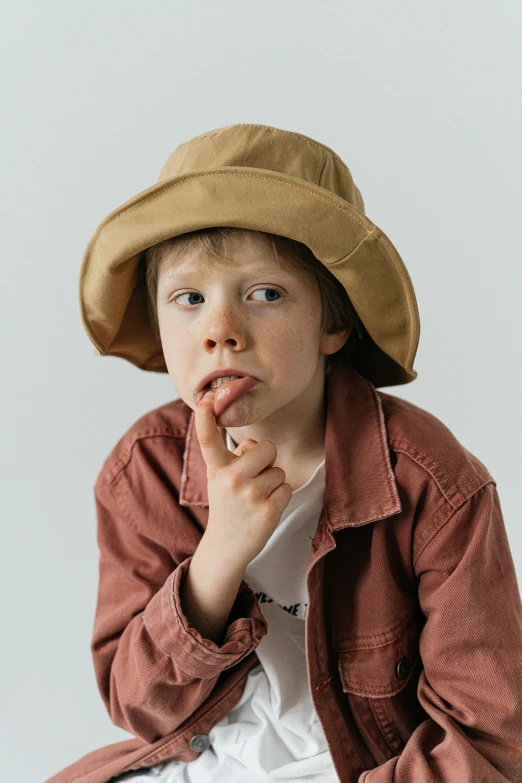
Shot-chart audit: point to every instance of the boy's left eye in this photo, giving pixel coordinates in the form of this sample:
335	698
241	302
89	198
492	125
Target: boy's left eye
194	293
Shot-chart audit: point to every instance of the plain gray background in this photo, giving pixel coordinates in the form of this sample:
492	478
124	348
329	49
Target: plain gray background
422	101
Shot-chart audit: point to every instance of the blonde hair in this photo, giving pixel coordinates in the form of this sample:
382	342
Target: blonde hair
338	312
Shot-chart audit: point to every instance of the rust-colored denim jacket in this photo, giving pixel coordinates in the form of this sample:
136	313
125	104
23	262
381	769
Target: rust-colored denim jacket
414	619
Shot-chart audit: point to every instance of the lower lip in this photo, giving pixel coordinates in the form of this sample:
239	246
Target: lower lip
227	393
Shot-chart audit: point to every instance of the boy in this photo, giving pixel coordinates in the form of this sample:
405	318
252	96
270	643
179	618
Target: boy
390	648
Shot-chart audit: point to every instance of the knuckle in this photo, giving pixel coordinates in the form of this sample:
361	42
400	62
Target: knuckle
251	493
268	508
232	481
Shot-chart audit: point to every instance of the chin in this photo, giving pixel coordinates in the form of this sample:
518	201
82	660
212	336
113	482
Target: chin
231	418
240	413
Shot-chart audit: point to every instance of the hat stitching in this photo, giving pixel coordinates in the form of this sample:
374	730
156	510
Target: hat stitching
357	246
322	170
393	265
240	174
312	142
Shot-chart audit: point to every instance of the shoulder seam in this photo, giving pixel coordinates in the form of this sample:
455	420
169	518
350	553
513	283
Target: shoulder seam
118	489
442	520
454	495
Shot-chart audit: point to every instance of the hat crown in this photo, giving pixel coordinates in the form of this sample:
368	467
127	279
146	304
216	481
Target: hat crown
264	147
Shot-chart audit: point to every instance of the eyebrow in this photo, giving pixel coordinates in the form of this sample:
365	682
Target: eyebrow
173	271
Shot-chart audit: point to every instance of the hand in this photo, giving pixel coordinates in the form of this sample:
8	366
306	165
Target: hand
246	494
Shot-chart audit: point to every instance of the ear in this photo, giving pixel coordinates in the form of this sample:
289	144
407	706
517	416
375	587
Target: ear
330	343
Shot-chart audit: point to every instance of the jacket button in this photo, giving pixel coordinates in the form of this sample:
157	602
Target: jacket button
200	742
403	668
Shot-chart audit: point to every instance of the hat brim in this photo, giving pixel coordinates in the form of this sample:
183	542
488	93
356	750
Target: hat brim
355	251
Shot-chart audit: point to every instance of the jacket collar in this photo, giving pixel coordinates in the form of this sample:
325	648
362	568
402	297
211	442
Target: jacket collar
360	486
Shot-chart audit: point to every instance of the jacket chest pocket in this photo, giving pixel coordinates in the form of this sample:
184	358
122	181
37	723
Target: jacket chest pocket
379	675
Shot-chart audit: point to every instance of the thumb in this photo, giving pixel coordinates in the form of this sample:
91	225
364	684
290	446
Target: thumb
244	446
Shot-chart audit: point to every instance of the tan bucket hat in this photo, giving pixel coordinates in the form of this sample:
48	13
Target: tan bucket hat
262	178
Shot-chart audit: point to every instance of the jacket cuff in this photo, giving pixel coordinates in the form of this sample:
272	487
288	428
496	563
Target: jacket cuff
197	656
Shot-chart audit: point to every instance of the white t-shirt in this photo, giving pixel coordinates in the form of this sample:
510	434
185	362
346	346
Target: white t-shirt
273	732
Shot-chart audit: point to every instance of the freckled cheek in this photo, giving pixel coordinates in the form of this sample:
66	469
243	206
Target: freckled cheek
300	336
275	338
288	344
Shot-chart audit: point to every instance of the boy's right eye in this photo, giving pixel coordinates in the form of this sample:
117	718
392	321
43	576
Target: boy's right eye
187	293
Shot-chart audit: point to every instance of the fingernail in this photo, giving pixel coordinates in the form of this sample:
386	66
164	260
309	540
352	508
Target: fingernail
209	395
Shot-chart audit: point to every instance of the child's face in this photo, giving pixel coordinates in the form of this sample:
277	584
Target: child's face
215	317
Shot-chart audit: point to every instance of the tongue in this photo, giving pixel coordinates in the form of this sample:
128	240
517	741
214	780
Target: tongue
228	392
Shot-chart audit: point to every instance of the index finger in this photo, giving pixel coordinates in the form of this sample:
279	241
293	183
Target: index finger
214	450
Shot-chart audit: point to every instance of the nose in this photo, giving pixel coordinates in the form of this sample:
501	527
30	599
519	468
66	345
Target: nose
223	329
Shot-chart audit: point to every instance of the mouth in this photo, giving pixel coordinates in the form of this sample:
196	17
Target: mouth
204	383
227	392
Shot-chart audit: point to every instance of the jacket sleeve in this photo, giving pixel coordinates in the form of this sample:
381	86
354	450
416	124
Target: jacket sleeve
152	668
471	648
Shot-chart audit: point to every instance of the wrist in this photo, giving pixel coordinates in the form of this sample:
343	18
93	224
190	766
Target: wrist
219	558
